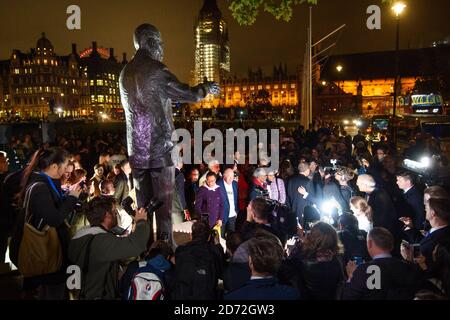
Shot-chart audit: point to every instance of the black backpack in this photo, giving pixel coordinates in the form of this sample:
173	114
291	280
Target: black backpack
196	273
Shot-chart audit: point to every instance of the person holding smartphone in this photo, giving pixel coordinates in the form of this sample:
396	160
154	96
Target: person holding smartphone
48	205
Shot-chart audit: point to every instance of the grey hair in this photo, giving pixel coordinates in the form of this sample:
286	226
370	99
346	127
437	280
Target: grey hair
259	172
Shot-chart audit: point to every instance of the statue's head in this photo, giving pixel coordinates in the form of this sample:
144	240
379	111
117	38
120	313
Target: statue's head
147	37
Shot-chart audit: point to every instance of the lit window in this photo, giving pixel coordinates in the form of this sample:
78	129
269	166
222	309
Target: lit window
92	82
45	61
293	85
260	87
17	71
100	82
284	86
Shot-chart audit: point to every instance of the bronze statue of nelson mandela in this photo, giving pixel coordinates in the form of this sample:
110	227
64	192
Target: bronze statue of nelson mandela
147	89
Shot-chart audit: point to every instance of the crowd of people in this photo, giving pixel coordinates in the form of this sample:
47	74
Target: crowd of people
336	207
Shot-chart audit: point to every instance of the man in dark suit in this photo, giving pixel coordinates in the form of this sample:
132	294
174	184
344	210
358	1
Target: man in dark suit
413	199
191	188
258	217
123	182
385	277
438	214
265	256
384	214
180	212
300	191
229	190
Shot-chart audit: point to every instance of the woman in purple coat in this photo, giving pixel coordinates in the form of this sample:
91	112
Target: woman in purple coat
209	201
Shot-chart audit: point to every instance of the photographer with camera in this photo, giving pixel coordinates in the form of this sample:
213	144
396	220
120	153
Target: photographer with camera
198	265
97	251
259	216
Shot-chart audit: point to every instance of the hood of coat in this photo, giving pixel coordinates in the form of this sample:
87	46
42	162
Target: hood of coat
159	263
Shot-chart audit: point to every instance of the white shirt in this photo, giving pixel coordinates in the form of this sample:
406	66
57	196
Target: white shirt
405	191
382	256
230	194
437	228
364	223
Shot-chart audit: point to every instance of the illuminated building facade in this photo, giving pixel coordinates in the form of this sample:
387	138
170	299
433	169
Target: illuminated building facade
103	71
39	82
364	83
279	92
212	51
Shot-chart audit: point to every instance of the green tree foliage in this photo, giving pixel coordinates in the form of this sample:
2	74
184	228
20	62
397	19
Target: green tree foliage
246	11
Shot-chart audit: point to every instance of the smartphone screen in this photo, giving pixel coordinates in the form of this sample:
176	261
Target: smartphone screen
358	260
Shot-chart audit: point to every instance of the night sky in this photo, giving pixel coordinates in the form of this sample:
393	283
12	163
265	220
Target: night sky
111	23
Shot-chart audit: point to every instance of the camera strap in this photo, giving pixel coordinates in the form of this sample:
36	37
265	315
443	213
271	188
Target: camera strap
52	185
85	271
278	189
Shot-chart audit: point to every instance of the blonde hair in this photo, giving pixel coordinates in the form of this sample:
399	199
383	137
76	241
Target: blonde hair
362	205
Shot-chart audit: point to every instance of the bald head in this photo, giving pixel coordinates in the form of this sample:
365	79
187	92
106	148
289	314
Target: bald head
366	183
228	176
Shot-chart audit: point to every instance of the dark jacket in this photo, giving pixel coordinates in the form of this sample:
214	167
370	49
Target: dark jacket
295	200
190	191
147	89
347	193
414	206
354	245
384	214
318	278
226	203
248	230
47	208
235	276
121	187
186	274
428	243
398	281
210	202
263	289
8	213
257	190
101	280
179	185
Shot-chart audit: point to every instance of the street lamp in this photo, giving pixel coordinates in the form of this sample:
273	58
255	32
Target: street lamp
339	69
398	9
